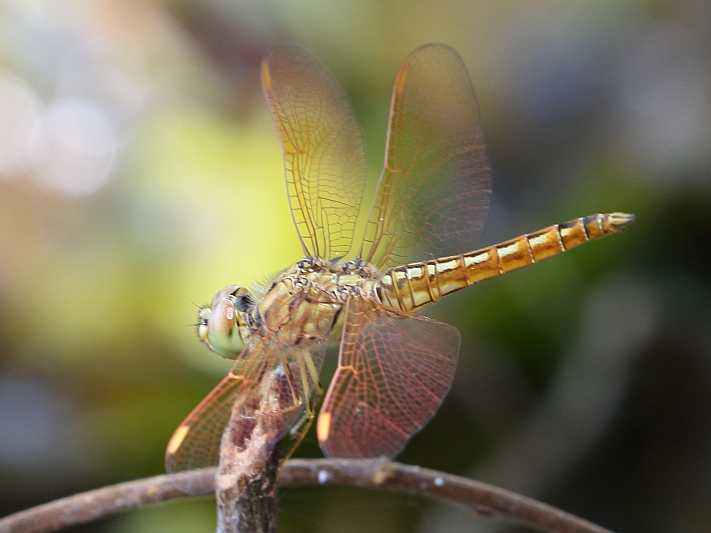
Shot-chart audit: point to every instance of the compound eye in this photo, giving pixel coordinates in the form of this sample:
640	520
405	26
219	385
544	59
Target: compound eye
222	330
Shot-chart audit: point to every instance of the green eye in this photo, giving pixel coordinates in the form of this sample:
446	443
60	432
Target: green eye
218	328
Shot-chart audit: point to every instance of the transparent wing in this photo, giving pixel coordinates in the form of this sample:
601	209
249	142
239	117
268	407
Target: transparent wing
196	441
393	373
324	160
434	191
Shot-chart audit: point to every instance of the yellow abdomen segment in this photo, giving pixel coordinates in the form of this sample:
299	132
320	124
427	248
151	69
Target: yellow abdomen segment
408	287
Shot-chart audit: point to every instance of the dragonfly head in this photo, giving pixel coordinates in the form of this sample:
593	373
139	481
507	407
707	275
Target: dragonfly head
222	325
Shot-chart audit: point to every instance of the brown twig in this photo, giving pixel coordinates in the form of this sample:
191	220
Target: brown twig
246	480
373	474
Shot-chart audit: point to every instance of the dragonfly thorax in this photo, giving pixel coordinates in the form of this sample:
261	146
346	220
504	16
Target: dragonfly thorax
331	281
304	301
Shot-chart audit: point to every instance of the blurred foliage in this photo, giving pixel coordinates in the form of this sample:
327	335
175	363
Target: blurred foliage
139	173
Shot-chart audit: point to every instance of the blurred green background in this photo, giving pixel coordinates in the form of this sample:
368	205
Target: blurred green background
140	172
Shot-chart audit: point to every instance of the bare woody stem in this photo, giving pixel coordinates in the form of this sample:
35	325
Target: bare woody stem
250	504
245	487
246	479
373	474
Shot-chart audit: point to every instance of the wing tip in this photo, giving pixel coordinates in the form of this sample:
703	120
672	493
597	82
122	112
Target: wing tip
323	427
174	444
436	45
401	80
266	76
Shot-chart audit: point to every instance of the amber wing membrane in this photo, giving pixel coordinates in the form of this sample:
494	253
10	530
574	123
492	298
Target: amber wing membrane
434	191
196	442
393	373
324	160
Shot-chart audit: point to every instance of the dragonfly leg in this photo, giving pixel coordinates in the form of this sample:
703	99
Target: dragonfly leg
306	393
309	374
303	424
313	373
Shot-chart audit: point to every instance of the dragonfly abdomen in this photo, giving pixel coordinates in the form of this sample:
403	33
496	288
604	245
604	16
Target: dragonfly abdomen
408	287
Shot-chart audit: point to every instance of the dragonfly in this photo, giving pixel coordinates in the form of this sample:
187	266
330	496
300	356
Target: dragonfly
417	244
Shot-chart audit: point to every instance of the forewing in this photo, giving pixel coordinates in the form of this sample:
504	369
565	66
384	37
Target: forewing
393	373
324	160
434	191
196	441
